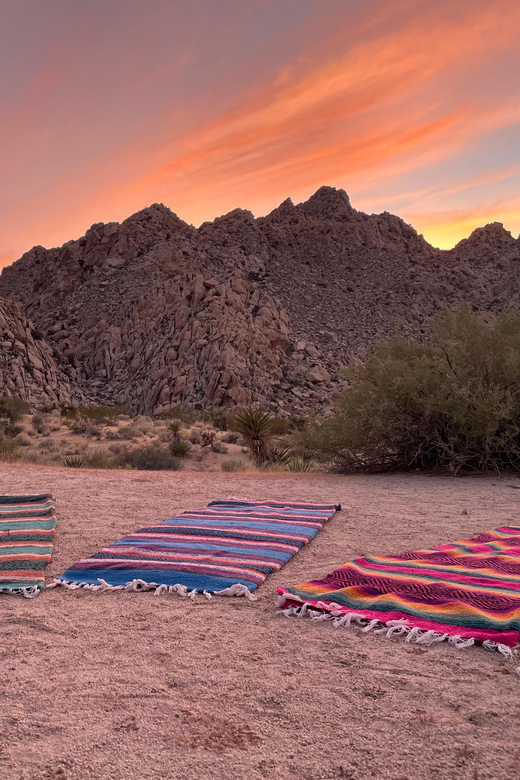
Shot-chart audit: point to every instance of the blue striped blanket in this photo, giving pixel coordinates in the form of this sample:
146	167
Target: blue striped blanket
226	548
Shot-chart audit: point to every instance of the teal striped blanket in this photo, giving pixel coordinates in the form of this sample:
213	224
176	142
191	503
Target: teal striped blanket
27	528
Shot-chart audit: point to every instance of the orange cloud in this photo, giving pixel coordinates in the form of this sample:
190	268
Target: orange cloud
349	115
369	86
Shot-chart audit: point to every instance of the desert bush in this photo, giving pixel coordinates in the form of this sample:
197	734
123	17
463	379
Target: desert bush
184	413
93	432
232	465
47	445
220	448
231	437
219	419
13	408
23	440
77	424
8	448
152	459
68	411
255	427
280	426
452	404
101	459
207	438
117	449
180	448
9	429
194	436
102	414
130	432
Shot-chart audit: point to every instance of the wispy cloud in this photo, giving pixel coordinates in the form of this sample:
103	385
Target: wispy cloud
374	103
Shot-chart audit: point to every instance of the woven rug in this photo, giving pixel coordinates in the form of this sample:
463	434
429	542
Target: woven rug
462	592
226	548
27	528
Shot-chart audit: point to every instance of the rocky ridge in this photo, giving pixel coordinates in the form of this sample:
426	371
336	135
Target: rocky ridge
155	313
28	368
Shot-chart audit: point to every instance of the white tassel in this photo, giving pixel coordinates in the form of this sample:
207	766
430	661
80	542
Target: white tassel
207	594
390	628
373	623
238	589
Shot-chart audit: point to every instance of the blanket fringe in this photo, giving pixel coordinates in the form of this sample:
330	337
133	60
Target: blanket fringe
390	628
27	593
238	589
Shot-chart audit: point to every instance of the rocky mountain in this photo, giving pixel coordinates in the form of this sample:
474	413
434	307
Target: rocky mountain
28	368
155	313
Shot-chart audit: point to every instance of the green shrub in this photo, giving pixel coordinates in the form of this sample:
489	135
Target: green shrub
180	448
280	426
13	408
453	404
152	459
232	465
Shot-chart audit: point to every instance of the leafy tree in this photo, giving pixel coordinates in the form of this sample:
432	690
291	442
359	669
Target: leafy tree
452	404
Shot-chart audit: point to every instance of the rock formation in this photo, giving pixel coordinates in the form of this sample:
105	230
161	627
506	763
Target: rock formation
27	365
156	313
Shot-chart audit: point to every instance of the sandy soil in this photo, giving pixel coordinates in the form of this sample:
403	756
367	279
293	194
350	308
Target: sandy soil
136	687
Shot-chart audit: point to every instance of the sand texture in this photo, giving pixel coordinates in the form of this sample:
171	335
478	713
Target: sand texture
129	686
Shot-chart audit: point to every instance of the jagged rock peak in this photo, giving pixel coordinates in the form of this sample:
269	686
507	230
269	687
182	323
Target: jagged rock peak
329	203
493	232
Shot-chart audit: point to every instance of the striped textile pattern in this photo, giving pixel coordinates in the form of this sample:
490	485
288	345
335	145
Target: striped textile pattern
27	528
464	592
228	547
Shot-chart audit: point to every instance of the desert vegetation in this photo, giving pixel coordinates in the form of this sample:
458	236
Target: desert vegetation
450	404
104	437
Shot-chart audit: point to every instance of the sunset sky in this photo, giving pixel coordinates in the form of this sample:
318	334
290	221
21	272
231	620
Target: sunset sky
106	106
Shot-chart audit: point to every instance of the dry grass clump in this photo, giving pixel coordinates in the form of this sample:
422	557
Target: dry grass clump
232	466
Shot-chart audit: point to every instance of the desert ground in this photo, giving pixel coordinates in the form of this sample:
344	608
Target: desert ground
129	686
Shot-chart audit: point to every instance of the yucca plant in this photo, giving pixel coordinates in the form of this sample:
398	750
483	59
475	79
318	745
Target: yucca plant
74	461
175	427
255	427
180	447
299	464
